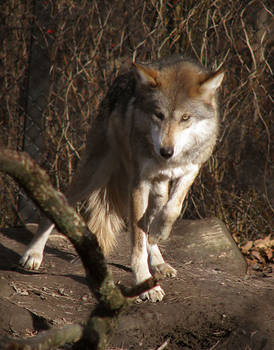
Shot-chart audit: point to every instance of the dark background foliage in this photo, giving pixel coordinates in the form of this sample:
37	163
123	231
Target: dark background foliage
58	59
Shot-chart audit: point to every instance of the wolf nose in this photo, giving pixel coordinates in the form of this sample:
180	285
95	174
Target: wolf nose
166	152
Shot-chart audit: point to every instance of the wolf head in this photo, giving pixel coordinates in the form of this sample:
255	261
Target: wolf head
178	101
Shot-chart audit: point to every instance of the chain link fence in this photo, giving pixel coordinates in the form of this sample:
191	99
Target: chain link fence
58	59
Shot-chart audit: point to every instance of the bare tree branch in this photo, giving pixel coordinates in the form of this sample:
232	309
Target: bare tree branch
37	185
111	299
45	340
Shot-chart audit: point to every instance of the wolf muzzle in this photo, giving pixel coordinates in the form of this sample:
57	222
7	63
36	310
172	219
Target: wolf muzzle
167	152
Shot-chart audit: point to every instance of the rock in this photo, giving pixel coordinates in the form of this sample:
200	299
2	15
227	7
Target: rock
5	288
207	242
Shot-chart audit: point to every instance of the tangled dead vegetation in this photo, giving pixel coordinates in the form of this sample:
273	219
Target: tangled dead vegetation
58	58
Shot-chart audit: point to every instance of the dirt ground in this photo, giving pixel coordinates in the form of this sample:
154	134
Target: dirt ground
211	304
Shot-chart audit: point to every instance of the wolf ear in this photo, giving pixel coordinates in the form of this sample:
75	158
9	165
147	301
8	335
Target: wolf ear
145	74
211	84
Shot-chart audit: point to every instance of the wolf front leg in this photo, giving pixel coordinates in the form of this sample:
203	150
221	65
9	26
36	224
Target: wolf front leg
139	256
157	199
162	223
33	256
93	173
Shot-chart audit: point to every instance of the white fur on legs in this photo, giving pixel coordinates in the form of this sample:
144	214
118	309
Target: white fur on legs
141	271
157	264
33	256
155	294
154	254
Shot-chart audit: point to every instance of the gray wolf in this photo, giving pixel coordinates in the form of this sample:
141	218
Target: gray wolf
155	128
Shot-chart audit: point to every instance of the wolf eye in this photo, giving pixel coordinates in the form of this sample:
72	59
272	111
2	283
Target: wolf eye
185	117
159	115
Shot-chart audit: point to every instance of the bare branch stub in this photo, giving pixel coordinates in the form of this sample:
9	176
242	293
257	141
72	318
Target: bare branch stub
111	299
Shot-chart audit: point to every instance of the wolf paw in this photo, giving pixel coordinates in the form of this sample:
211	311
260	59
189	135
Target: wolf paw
164	270
31	260
153	295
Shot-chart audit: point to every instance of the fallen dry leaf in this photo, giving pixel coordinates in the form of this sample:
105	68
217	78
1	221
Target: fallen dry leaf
257	255
270	254
246	247
266	242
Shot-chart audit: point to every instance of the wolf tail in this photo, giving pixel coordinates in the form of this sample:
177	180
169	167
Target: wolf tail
104	217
